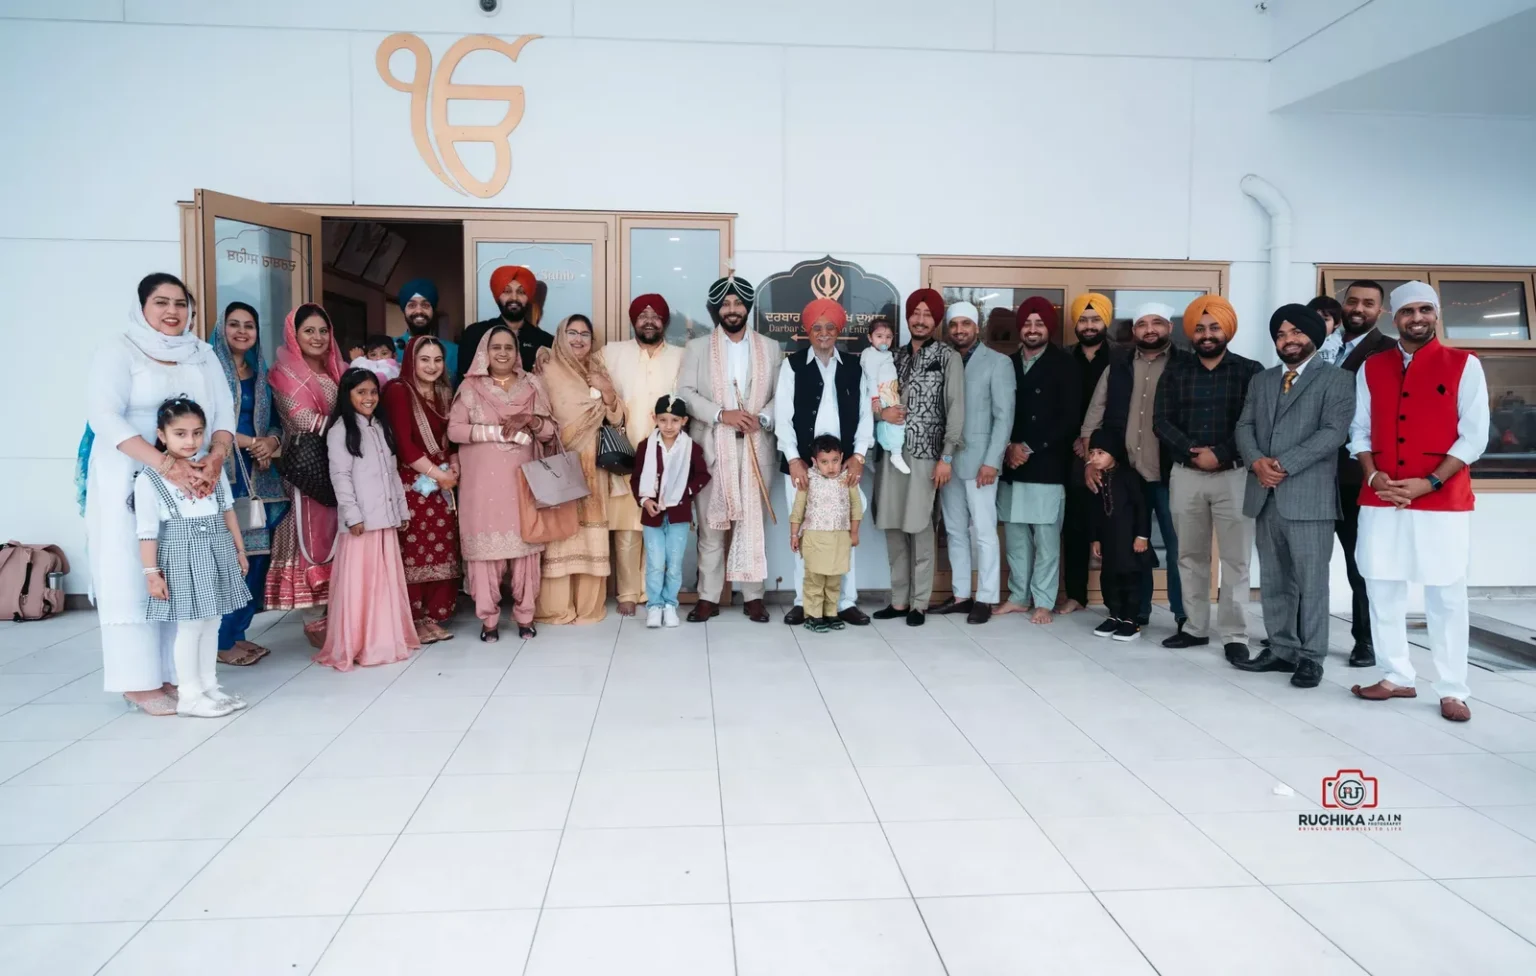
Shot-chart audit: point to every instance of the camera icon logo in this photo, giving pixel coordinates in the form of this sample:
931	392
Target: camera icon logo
1349	789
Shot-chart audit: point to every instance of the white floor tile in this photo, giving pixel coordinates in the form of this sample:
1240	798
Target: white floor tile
639	866
18	689
50	814
662	745
102	882
979	857
1147	851
669	940
793	795
1274	851
426	680
330	807
462	872
183	811
33	722
355	753
435	942
811	861
1522	820
938	793
260	877
519	801
1396	790
1079	789
1215	932
16	858
1455	842
223	759
237	947
295	716
23	754
1510	901
1217	786
568	680
419	715
833	938
657	798
1375	924
1061	933
62	950
1476	780
105	761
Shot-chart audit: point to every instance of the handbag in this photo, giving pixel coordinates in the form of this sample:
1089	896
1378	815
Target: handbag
250	512
304	463
615	454
555	478
541	522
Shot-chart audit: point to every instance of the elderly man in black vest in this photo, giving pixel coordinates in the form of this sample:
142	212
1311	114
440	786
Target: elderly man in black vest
820	392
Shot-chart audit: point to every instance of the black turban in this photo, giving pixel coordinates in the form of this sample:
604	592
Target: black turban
1307	321
729	285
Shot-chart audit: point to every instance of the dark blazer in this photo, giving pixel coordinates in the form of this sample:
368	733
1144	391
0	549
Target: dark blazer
1350	474
1302	430
1045	415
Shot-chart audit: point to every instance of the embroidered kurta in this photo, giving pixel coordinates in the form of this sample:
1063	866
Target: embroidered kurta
827	510
641	375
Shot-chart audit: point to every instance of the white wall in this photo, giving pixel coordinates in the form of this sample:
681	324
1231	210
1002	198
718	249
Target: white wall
872	129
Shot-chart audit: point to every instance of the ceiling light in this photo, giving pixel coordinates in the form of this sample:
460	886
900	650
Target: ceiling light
1501	315
677	269
674	239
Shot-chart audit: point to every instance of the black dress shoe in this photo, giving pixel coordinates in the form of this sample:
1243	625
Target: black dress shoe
980	613
1308	674
889	613
854	616
796	616
916	618
1182	639
951	605
1266	661
1363	656
1236	652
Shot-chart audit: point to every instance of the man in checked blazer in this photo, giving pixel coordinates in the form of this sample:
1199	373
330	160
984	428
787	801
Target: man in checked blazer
1295	418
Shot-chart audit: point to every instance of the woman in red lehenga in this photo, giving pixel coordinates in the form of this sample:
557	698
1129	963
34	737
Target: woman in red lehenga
416	406
304	392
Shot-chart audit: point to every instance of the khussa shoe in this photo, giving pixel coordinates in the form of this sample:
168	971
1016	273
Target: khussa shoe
1107	628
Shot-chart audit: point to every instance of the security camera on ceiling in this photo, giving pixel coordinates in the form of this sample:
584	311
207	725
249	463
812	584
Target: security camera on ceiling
489	7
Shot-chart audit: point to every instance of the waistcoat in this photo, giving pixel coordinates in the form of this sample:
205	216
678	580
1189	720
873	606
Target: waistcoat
827	507
846	380
1413	422
921	376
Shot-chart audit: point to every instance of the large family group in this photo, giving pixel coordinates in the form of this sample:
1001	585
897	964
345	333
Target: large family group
367	497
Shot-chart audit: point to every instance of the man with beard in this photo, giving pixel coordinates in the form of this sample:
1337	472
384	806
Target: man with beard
969	501
932	380
1361	340
1195	416
820	391
1421	421
1032	501
418	300
643	370
1293	422
728	383
1120	419
514	288
1090	315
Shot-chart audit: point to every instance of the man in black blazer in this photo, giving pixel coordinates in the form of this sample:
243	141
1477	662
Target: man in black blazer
1032	499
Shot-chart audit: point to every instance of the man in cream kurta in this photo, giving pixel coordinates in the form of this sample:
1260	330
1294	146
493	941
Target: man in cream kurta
643	370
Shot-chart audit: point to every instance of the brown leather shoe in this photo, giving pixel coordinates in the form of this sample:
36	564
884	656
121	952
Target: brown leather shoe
702	611
1380	692
1454	710
755	611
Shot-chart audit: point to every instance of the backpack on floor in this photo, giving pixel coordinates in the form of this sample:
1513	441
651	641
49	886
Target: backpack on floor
24	577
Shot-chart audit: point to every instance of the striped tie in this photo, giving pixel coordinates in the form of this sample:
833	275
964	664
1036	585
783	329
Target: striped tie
1287	380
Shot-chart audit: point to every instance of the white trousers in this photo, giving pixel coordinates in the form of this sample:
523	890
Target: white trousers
970	519
850	595
197	657
1445	610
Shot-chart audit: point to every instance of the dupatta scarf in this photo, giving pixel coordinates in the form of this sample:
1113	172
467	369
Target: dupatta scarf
488	403
266	484
307	402
429	414
569	381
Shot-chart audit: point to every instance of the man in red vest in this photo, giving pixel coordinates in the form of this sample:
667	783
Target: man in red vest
1421	420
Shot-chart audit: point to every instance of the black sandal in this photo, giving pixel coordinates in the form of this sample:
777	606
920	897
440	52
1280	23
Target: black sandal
527	631
489	636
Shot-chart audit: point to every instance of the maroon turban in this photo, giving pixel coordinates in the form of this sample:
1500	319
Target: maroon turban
932	299
1042	307
823	308
654	301
506	274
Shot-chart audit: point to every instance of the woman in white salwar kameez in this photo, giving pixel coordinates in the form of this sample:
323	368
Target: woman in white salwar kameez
155	358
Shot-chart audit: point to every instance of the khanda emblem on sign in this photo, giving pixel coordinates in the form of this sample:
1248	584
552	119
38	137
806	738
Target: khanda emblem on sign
827	284
442	89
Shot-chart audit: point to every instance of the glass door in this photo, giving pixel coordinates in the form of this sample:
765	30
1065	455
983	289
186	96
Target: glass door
257	253
677	258
568	258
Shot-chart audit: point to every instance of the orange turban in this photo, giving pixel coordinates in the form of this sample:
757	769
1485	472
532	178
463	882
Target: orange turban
823	308
1221	310
506	274
1099	303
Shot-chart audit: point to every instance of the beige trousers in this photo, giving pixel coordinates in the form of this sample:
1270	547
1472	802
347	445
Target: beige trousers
712	552
1202	502
912	564
629	565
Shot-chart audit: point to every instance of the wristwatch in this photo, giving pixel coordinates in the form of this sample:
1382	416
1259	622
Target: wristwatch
1435	484
859	458
948	458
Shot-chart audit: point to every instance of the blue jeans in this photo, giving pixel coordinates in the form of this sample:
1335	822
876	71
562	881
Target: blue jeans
232	628
1157	505
664	548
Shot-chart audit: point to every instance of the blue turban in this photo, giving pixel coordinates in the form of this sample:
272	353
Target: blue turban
417	286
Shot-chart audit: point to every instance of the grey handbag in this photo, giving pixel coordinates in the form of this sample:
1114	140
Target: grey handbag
555	478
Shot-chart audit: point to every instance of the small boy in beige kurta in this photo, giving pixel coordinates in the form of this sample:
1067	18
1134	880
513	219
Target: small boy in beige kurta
824	528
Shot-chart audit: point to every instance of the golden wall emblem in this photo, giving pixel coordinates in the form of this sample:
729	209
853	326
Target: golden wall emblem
439	85
827	284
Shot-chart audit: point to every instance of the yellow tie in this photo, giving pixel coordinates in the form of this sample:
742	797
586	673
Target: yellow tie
1287	380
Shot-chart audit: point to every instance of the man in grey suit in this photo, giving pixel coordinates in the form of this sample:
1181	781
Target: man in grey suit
1295	418
969	500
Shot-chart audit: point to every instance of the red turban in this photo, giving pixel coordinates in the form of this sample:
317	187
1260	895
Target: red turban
1221	310
506	274
823	308
654	301
1042	307
932	299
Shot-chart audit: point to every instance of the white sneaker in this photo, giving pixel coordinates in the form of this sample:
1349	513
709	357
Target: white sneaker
669	616
653	617
202	706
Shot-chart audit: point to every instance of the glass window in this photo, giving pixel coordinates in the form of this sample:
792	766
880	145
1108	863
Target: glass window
679	264
564	267
1484	310
262	266
999	310
1511	451
1128	300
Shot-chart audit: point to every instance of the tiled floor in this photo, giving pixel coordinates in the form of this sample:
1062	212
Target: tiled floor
736	798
